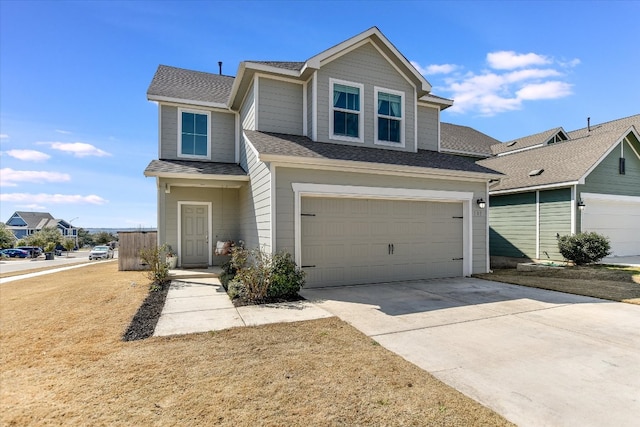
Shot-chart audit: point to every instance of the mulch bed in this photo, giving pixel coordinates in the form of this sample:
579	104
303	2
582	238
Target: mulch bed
146	318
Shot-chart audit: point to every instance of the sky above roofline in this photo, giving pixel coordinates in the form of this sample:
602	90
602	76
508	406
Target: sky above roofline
76	129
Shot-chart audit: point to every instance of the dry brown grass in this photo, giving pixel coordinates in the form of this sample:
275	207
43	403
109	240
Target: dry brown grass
600	281
62	362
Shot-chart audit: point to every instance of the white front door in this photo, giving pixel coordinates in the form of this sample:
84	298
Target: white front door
194	245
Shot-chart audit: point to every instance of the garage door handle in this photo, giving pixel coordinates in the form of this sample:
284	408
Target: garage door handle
308	266
393	248
457	259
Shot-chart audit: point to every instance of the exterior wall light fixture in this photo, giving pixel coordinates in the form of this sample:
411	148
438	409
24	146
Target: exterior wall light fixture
581	205
481	203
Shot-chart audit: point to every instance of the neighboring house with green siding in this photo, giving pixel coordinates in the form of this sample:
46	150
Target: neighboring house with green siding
559	183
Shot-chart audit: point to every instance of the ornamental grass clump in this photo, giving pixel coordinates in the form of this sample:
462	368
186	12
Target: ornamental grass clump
584	248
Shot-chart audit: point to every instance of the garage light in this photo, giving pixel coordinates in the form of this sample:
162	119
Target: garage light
581	205
481	203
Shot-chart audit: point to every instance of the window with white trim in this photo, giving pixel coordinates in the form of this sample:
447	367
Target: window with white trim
194	135
346	121
389	117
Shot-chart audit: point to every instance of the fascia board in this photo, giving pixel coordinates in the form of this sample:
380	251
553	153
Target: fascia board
430	100
347	165
165	99
534	188
208	177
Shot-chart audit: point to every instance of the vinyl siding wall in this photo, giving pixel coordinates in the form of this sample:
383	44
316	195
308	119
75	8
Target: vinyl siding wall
280	108
285	239
248	111
225	210
222	128
255	201
366	66
555	219
512	225
310	108
427	128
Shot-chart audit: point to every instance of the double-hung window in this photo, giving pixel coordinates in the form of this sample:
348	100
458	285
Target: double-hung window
345	118
194	133
389	117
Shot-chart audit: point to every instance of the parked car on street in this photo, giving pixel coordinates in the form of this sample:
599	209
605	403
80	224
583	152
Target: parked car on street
34	251
14	253
101	252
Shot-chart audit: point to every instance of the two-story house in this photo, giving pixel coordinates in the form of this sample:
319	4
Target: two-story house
23	224
335	159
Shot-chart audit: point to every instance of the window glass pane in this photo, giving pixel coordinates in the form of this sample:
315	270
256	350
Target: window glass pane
394	130
383	129
188	122
339	123
346	97
201	124
389	105
383	105
187	143
200	145
353	101
352	125
339	99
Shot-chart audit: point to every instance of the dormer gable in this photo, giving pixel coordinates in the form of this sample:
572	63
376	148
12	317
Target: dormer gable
548	137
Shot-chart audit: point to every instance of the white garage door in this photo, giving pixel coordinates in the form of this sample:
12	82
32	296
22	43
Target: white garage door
352	241
617	219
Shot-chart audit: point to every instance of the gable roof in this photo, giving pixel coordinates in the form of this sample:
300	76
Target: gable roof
300	149
33	219
185	168
174	84
465	140
527	142
565	163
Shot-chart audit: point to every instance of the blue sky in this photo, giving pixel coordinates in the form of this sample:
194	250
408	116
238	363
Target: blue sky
76	130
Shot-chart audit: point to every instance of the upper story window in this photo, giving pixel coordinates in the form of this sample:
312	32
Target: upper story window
193	133
346	121
389	117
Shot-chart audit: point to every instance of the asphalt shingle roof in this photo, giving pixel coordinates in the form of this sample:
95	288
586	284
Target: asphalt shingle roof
172	82
33	219
287	65
525	142
166	167
301	146
465	139
566	161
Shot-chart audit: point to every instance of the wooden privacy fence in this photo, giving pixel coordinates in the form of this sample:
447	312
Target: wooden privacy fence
130	243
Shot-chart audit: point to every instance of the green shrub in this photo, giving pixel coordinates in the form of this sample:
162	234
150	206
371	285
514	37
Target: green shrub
584	248
158	270
236	289
228	273
286	277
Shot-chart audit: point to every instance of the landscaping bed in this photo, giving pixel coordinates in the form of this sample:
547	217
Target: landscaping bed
599	281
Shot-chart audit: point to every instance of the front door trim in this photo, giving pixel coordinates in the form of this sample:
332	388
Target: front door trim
351	191
209	231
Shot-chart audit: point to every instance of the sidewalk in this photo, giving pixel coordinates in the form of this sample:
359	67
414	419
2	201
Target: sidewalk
198	303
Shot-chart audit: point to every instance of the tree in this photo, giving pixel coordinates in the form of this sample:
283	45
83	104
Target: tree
103	237
68	244
84	238
7	239
44	236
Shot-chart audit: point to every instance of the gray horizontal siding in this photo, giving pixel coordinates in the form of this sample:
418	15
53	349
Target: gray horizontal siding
255	203
248	111
366	66
280	106
555	219
428	128
512	225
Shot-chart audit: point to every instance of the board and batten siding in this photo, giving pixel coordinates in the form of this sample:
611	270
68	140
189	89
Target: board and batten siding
366	66
280	106
225	209
255	201
222	129
555	221
427	128
285	204
512	225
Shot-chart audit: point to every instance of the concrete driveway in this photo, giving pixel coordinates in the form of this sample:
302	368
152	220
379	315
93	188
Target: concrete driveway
539	358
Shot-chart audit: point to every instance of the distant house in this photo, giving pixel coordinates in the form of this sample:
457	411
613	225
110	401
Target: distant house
558	182
23	224
336	159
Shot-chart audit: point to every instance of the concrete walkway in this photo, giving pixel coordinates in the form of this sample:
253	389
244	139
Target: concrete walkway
199	303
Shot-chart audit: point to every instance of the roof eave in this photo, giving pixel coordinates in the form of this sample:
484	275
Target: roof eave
158	98
535	187
204	176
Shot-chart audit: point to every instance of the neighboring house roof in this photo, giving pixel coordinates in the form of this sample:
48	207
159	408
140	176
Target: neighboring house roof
178	84
465	140
561	163
531	141
300	149
181	168
32	219
286	65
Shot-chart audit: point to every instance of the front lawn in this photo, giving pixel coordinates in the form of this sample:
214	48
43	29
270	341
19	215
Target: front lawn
62	362
600	281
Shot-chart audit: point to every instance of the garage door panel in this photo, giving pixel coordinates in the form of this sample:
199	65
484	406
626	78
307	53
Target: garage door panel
356	235
618	220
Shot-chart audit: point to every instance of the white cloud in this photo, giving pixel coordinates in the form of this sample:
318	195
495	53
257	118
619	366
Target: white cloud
28	155
78	149
3	136
33	207
43	198
64	132
546	90
435	68
508	60
10	177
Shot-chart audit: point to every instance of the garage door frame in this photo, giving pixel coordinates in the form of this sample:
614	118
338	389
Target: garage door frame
388	193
